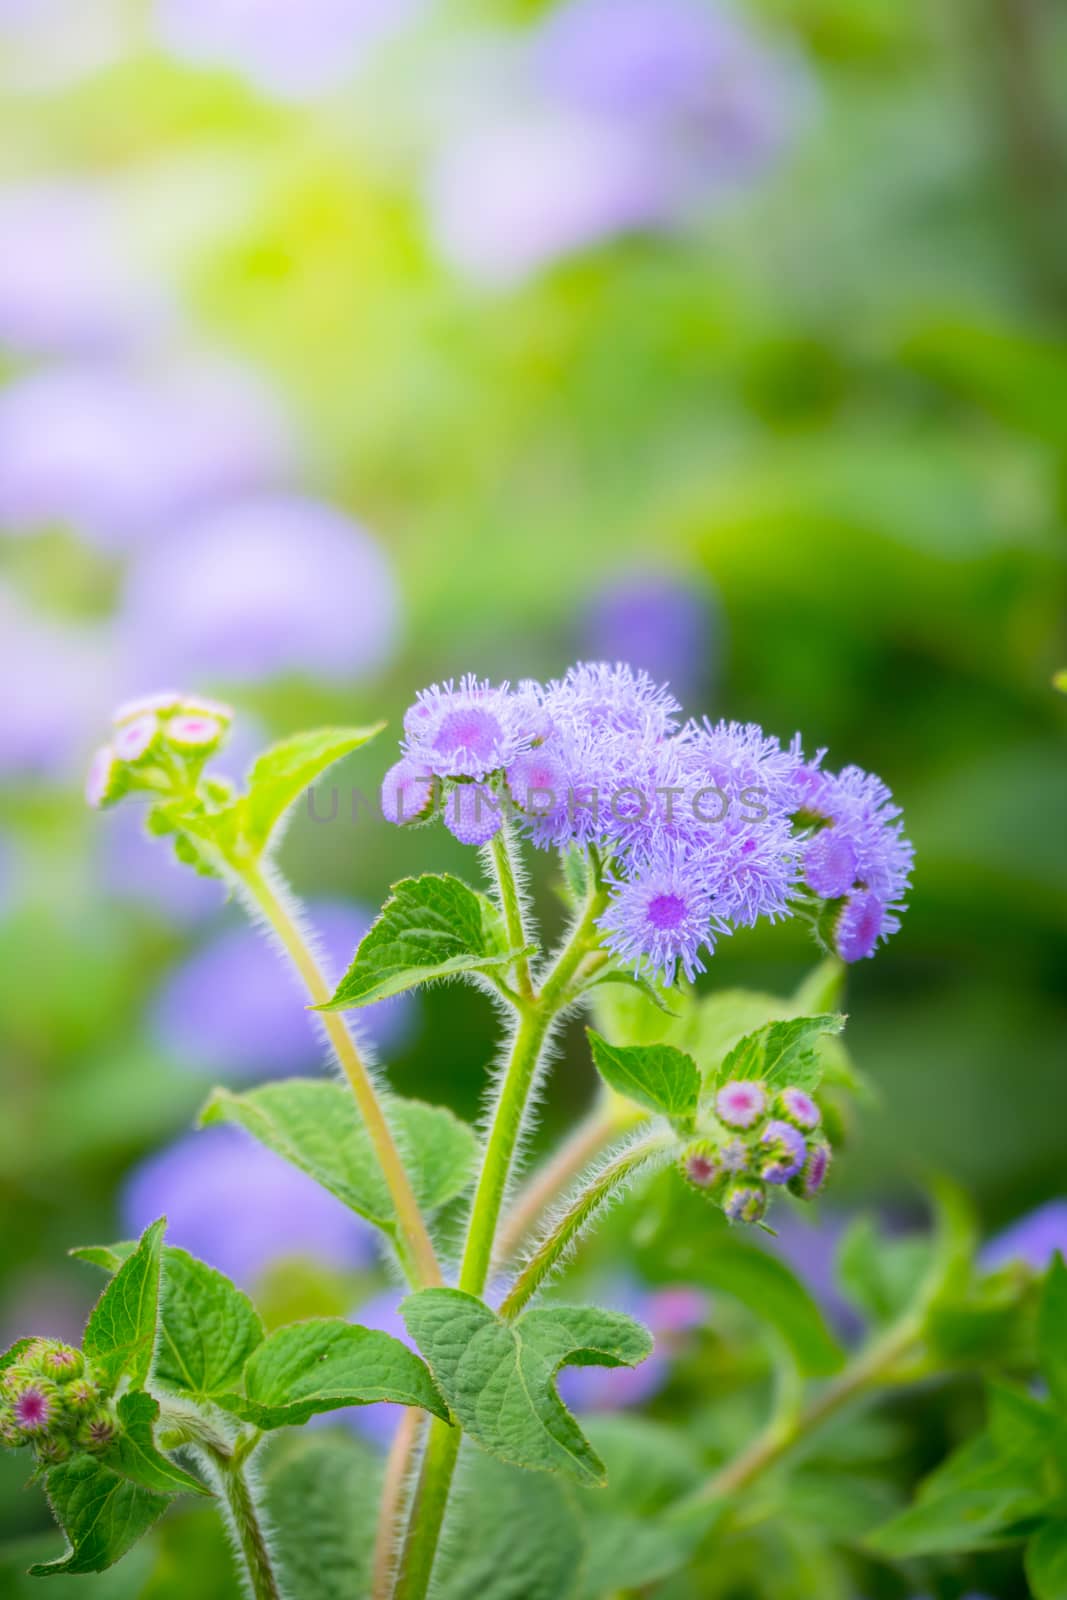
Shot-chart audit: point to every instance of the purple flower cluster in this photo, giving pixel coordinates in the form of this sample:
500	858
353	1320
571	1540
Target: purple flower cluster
765	1140
857	858
703	827
50	1399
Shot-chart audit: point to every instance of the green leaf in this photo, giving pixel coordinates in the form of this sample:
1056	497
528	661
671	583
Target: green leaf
781	1053
282	773
322	1491
1052	1332
513	1536
499	1378
632	1541
769	1289
656	1076
879	1274
9	1357
324	1365
120	1335
133	1453
108	1256
101	1513
316	1125
208	1328
430	928
1046	1562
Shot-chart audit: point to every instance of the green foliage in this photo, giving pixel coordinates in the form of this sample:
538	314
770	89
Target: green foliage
1052	1332
767	1287
133	1453
430	928
322	1492
316	1125
120	1335
208	1328
1046	1562
101	1512
515	1536
498	1378
326	1364
879	1274
780	1053
282	773
657	1077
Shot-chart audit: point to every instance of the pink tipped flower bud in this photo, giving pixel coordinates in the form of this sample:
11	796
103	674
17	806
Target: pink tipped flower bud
701	1166
62	1363
98	1432
32	1408
147	705
106	782
53	1451
81	1395
195	731
734	1155
201	706
745	1202
783	1150
740	1104
407	792
811	1177
135	739
799	1109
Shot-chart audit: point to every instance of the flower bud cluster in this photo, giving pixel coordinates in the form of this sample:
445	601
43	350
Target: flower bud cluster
159	744
50	1399
766	1141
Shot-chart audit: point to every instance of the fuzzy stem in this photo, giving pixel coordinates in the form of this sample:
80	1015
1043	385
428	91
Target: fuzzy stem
534	1024
395	1488
603	1185
585	1143
251	1538
503	859
414	1245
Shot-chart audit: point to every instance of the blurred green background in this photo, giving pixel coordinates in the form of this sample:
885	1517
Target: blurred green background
833	407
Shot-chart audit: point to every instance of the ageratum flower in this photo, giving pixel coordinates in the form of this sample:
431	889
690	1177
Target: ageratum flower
468	729
783	1151
741	1104
859	855
666	626
662	916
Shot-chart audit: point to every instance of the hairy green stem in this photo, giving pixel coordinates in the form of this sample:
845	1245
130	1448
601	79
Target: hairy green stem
226	1466
602	1187
414	1245
535	1019
592	1135
503	858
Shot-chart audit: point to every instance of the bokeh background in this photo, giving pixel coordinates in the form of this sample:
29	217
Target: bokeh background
351	344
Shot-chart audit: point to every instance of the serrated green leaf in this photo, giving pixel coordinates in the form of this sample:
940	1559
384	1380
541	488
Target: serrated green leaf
1052	1332
120	1335
324	1365
208	1328
430	928
315	1124
635	980
657	1076
781	1053
1046	1562
108	1256
282	773
322	1491
10	1356
499	1378
514	1535
101	1513
133	1453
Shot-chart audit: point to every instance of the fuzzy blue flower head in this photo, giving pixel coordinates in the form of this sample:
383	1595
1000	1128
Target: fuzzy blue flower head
858	858
466	730
783	1150
662	916
745	1201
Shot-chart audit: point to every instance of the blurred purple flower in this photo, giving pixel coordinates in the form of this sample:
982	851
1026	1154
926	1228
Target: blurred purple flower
67	286
509	198
43	1306
671	1313
240	1207
291	49
229	1011
62	685
809	1246
614	116
259	588
1033	1240
117	456
668	626
379	1422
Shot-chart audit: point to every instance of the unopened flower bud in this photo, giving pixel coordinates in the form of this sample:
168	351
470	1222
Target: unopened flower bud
137	738
61	1362
741	1103
81	1395
407	792
811	1177
54	1450
97	1432
147	704
107	780
798	1108
745	1202
783	1152
701	1165
194	731
33	1407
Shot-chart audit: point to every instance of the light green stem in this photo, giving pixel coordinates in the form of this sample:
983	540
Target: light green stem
535	1019
227	1463
503	858
414	1245
602	1187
